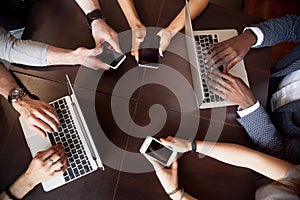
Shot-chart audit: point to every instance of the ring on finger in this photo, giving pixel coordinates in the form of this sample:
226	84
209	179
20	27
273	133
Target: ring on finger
51	161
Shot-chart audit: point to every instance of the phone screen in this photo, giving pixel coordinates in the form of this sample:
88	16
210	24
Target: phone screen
148	52
148	57
111	58
159	152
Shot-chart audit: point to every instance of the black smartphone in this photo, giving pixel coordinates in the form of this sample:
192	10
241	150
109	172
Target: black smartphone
148	52
111	58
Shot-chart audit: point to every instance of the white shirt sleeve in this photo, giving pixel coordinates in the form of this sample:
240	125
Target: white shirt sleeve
258	33
247	111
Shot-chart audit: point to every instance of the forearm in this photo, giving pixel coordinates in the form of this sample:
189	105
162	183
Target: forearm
241	156
58	56
195	6
130	13
88	5
7	82
21	186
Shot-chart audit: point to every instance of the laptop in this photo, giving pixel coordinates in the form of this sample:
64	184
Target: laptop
197	41
73	135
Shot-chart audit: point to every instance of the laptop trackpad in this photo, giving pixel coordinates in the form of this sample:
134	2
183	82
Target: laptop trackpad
38	143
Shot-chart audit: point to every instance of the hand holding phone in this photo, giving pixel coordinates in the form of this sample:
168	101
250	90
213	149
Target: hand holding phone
111	58
158	151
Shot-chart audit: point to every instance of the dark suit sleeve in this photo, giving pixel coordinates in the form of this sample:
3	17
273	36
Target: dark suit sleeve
266	137
277	30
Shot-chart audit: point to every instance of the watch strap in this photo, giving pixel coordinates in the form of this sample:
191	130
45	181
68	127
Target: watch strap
94	15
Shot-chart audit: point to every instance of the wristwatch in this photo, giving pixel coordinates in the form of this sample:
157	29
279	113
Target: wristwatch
16	94
95	14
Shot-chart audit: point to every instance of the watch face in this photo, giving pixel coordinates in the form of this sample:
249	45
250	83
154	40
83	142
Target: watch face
16	93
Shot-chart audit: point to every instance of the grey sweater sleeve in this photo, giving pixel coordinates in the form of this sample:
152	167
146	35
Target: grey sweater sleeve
25	52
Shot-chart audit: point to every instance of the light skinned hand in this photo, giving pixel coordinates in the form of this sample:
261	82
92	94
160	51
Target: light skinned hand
167	177
88	58
104	33
40	169
138	36
178	144
166	36
231	51
232	89
38	115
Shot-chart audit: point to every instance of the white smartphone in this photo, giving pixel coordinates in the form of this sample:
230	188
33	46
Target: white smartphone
111	58
158	151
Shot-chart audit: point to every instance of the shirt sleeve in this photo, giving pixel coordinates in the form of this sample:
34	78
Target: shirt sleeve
247	111
25	52
259	35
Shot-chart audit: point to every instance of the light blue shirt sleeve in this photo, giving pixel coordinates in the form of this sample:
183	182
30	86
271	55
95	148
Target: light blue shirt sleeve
25	52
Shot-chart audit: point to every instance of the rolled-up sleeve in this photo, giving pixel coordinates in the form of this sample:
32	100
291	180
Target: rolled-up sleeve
25	52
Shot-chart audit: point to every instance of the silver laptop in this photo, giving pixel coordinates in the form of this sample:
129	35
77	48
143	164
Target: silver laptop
197	41
73	135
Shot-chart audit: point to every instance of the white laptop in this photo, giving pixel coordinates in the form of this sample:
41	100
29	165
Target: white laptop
74	136
196	42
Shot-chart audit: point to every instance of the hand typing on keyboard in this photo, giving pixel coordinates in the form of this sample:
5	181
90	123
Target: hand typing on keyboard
38	115
44	166
231	51
231	88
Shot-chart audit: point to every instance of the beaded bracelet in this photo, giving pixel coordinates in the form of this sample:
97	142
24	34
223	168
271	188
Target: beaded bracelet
174	191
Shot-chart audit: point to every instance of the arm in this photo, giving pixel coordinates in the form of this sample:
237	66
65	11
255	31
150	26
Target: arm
100	30
39	170
16	51
279	30
169	179
263	134
236	155
38	115
166	34
137	27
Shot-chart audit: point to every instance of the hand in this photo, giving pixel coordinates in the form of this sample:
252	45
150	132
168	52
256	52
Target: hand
179	145
231	88
103	33
167	177
46	165
38	115
166	36
88	58
230	52
138	36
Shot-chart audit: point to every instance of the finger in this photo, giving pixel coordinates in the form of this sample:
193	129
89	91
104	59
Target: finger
232	63
47	153
114	42
165	142
59	164
57	155
154	163
47	119
161	52
174	165
39	123
218	92
135	54
50	111
37	130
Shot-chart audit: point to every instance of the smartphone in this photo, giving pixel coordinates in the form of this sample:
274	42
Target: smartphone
158	151
148	52
111	58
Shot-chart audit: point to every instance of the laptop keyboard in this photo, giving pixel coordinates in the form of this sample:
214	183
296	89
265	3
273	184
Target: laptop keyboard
202	43
68	137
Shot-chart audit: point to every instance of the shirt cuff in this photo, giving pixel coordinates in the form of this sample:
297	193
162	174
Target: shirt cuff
259	34
247	111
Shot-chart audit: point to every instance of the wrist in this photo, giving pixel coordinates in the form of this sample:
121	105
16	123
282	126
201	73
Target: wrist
21	186
178	195
247	104
250	37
